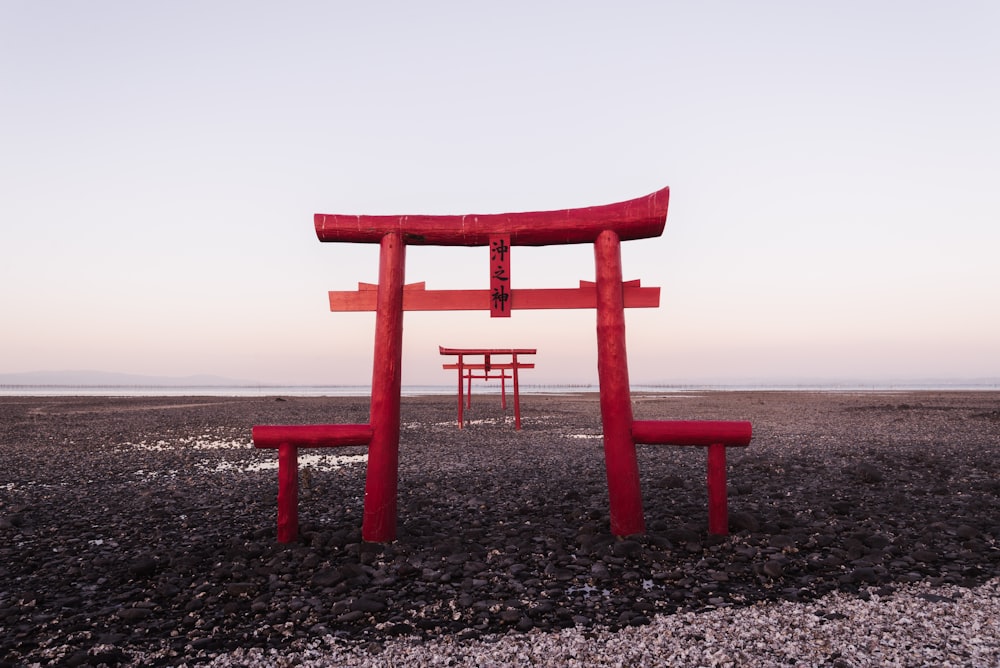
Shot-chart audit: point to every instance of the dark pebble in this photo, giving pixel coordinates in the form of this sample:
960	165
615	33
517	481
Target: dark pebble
240	588
781	541
773	568
627	548
132	615
143	566
868	473
877	541
204	643
967	532
368	604
743	521
327	577
864	574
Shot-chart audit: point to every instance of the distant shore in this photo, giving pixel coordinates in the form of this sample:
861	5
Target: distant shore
143	390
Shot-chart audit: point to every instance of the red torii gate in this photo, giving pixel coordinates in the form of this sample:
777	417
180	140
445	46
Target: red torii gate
489	369
605	227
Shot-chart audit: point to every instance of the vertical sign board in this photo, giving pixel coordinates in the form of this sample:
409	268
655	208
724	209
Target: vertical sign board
500	277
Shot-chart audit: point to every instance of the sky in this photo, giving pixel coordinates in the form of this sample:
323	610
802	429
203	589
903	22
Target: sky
834	170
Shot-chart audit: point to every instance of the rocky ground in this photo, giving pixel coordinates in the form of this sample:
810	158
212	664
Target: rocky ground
141	531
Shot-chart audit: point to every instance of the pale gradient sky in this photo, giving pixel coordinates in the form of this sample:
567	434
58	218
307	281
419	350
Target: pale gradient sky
834	167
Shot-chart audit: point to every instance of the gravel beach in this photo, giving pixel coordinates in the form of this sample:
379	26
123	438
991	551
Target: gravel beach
865	530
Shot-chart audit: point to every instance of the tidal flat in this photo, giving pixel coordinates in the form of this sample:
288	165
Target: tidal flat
141	531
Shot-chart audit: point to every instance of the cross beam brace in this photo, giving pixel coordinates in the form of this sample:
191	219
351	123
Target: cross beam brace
417	298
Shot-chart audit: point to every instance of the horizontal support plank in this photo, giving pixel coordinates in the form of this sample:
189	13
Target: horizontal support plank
692	432
639	218
422	285
479	300
628	284
493	365
487	351
312	435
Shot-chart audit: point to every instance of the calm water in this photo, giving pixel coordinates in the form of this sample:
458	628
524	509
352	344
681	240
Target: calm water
417	390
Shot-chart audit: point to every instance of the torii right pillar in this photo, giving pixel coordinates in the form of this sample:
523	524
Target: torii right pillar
624	492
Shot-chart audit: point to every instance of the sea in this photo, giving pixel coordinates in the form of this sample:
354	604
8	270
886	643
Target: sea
488	388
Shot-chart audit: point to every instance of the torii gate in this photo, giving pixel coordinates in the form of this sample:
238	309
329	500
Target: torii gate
603	226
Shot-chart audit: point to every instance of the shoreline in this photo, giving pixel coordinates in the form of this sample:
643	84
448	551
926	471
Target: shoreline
488	389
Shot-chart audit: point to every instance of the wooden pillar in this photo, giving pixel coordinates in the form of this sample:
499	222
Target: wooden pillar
718	511
288	493
517	395
503	385
624	494
379	523
461	399
468	389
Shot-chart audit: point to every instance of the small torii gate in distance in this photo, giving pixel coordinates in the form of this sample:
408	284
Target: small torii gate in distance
489	369
605	227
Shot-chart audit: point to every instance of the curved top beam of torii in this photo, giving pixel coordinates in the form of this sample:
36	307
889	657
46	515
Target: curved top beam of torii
639	218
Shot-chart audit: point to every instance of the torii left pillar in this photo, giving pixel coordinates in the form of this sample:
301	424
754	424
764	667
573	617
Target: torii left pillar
379	523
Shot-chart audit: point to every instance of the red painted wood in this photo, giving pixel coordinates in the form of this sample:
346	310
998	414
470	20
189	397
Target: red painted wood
468	391
470	375
312	435
517	394
503	366
479	300
639	218
486	351
500	285
692	432
624	492
718	511
422	285
492	374
288	493
466	373
379	522
287	439
461	371
635	283
717	436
